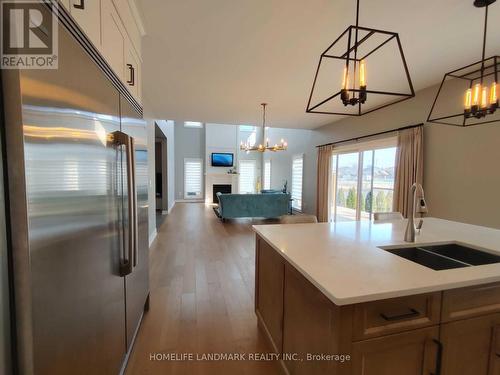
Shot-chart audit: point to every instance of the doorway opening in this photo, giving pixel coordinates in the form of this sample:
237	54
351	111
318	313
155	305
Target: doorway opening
161	176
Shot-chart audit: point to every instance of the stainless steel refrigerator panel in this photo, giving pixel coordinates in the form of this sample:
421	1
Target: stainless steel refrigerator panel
5	333
137	283
73	193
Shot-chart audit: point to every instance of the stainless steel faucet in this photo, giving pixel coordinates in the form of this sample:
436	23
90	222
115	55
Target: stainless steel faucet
419	207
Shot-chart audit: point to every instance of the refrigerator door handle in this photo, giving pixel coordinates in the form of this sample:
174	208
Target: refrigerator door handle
119	139
135	221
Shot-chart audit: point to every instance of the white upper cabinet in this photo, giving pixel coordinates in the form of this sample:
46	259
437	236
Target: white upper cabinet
133	71
114	28
88	15
113	38
132	24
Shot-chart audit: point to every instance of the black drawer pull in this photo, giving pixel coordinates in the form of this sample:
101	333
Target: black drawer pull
411	314
81	5
439	358
131	81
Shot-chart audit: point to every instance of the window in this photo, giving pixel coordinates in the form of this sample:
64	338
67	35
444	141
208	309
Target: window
193	175
247	128
248	135
267	174
297	177
193	124
362	180
247	176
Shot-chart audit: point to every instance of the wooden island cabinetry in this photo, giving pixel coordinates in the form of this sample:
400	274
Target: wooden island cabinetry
454	332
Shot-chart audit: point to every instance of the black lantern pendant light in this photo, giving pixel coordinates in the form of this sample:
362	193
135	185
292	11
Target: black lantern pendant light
354	94
477	83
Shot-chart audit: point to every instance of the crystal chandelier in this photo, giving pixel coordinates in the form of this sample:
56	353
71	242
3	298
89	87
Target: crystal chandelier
264	146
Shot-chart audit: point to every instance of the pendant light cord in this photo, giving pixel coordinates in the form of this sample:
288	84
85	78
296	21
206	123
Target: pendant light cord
264	116
484	42
357	13
264	124
356	44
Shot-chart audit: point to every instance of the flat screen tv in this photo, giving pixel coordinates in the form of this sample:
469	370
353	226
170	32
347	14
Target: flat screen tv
222	159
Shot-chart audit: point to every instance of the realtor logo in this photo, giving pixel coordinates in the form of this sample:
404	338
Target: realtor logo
29	35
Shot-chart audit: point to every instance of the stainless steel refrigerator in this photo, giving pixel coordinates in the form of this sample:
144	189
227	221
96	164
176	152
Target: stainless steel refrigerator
76	153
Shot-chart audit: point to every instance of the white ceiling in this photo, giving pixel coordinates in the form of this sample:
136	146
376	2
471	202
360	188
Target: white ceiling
217	60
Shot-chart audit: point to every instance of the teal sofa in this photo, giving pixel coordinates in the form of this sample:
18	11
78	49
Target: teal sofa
232	206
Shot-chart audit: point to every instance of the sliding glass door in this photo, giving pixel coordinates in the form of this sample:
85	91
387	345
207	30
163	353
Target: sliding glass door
362	182
346	199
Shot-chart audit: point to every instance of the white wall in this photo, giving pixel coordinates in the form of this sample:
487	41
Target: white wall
189	143
242	136
168	129
299	142
220	138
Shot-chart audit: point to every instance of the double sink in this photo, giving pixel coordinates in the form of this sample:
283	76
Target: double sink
445	256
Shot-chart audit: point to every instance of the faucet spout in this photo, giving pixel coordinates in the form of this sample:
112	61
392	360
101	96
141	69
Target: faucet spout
419	207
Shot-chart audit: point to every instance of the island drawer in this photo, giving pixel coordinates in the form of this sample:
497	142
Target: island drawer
472	301
383	317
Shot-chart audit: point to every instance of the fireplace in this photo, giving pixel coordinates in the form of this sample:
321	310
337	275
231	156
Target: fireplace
221	188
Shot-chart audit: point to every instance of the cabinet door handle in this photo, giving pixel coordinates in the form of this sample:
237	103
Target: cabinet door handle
80	5
131	81
410	314
439	357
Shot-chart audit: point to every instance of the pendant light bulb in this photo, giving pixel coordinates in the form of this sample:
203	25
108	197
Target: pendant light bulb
362	74
493	94
345	79
484	97
476	93
468	99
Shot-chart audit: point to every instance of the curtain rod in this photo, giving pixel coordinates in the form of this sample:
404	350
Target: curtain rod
371	135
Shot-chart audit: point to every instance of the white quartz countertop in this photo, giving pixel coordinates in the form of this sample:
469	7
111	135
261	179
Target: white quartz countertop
344	261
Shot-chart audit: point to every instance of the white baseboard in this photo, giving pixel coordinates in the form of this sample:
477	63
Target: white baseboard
152	237
189	200
167	211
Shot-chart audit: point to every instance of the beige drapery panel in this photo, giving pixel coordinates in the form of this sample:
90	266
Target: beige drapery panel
323	185
409	166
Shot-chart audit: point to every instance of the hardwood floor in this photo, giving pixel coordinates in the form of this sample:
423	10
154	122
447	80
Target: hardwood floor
202	297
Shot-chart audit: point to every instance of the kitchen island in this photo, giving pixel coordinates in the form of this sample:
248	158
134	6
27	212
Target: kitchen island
334	290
